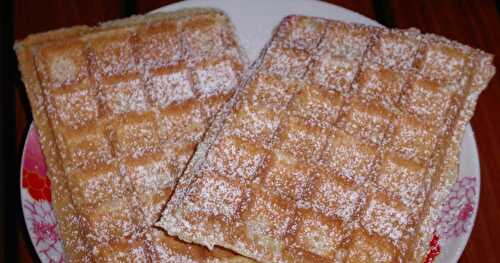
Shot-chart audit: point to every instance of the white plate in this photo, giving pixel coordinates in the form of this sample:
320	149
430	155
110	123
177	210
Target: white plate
254	21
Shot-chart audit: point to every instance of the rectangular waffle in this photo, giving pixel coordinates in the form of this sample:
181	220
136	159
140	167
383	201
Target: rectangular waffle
339	147
120	108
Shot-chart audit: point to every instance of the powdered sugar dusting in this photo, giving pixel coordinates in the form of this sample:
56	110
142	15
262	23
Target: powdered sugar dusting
215	78
385	219
168	88
218	197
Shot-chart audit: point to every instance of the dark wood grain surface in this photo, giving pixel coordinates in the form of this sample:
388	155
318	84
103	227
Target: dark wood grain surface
475	23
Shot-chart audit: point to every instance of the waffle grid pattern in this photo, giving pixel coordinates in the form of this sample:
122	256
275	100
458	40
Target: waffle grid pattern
333	148
127	103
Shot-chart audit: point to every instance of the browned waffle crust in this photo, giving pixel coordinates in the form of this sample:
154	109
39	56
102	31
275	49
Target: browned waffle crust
120	108
339	147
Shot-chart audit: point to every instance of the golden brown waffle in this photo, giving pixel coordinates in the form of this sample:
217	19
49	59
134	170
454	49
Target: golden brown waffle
340	147
120	108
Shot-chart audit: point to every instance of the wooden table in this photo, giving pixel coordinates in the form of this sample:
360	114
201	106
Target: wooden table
475	23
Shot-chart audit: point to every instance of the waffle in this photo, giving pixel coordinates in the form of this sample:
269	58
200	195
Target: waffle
120	108
339	147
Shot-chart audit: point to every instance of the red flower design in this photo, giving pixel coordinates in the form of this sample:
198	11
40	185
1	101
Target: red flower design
434	250
38	186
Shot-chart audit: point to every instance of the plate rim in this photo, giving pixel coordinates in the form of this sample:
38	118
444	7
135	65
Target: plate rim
23	193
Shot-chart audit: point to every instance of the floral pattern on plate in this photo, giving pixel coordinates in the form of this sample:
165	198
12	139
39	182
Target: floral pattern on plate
36	202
